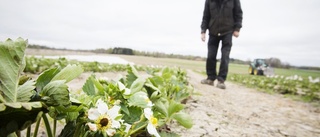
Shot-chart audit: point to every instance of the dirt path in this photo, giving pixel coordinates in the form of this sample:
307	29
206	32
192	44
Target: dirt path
239	111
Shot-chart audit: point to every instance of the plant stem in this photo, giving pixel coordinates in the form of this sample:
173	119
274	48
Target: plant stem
35	133
18	133
54	127
134	131
47	124
134	125
28	131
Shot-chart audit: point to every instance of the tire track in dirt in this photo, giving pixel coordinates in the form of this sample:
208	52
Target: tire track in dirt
240	111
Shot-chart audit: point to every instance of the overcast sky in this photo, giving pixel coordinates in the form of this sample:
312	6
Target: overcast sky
285	29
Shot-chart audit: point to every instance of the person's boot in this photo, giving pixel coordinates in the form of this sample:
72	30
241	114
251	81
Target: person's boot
221	85
207	81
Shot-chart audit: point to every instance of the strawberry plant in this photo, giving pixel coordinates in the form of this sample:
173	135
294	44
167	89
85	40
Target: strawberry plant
135	105
307	89
143	105
37	65
24	101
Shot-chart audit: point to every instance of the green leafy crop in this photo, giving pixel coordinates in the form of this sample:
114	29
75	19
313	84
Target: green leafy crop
24	101
135	105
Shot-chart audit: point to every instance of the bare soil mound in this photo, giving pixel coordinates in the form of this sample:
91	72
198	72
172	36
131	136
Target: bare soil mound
239	111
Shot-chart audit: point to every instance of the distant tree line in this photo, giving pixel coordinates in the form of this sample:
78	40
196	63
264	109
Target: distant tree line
164	55
125	51
128	51
33	46
274	62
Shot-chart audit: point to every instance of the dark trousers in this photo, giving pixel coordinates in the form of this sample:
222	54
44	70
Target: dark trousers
211	64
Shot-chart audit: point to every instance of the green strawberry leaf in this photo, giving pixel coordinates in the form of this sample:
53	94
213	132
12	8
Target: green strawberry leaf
56	93
137	85
139	99
183	119
45	77
68	73
89	87
12	64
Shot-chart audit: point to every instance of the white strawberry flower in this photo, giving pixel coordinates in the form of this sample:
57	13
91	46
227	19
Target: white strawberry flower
128	126
149	102
317	80
122	87
117	102
153	122
104	118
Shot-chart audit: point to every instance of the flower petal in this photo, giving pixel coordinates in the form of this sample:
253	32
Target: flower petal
93	127
127	91
115	124
148	113
128	126
93	114
102	107
121	86
149	103
114	112
111	132
152	130
117	102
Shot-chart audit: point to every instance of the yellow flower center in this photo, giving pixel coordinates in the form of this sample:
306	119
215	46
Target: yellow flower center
103	122
147	100
154	121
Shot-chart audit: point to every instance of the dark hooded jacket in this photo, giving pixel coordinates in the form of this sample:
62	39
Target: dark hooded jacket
221	17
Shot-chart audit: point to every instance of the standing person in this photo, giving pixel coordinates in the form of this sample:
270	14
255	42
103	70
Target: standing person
223	18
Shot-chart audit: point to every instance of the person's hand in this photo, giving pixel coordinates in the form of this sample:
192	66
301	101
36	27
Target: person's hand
236	34
203	37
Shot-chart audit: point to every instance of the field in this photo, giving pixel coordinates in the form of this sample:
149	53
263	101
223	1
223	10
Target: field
198	66
299	84
236	111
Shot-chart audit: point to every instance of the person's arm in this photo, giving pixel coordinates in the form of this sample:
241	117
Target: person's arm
237	13
206	17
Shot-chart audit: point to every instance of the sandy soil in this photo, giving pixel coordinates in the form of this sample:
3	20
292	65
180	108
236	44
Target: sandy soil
239	111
